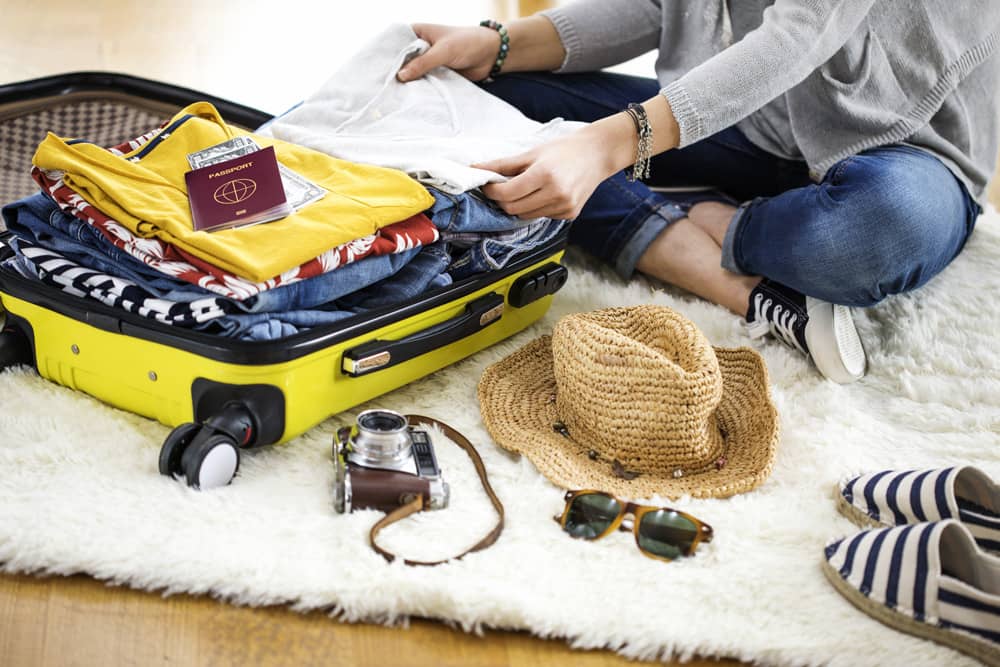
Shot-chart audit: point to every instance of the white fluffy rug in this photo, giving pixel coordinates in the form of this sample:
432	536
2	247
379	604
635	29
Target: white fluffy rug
80	492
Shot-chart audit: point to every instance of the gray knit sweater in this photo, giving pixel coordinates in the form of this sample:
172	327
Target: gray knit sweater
817	80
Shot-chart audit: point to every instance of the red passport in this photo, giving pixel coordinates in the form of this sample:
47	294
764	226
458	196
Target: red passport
246	190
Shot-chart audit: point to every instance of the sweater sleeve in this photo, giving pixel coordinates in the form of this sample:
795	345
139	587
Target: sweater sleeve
795	37
602	33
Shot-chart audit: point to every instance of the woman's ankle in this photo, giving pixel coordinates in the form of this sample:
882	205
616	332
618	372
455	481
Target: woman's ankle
686	256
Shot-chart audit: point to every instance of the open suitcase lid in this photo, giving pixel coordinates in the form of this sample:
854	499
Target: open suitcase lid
102	107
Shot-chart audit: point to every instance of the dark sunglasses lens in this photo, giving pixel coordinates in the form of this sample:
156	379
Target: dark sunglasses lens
590	515
666	534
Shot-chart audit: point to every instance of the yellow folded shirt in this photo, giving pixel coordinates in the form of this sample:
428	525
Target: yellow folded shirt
145	191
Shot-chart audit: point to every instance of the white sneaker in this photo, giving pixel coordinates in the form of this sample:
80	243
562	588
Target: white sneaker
820	330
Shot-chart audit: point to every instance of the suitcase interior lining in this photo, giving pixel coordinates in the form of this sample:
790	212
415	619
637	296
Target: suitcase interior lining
105	118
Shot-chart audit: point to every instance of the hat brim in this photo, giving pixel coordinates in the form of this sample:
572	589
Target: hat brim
516	402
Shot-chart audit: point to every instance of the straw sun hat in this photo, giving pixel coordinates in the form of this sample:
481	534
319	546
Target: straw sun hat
635	402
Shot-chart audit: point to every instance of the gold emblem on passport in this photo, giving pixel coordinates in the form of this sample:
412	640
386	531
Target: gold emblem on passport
235	191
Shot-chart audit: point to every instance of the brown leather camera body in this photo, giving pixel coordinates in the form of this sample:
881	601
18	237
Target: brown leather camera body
385	490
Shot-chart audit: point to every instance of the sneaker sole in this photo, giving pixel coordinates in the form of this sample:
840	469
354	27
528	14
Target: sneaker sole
843	359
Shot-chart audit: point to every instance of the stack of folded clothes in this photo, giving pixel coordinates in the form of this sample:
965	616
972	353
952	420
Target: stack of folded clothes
114	224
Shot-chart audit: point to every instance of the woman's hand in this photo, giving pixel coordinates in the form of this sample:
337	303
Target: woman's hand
556	179
470	51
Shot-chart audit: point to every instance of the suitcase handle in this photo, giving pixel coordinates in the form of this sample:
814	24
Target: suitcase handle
379	354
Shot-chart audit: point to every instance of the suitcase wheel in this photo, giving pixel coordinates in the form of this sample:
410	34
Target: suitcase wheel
203	457
210	462
207	455
15	349
174	446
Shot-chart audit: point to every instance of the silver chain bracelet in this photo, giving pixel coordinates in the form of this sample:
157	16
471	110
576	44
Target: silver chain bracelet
644	150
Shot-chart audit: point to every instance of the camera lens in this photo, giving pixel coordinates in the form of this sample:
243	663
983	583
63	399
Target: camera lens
381	421
383	438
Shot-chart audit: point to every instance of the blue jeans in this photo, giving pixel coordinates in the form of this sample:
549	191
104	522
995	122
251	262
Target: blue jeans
473	230
482	236
274	313
882	222
215	314
38	218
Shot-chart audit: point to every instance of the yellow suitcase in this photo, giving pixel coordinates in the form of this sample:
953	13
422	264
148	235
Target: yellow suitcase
220	394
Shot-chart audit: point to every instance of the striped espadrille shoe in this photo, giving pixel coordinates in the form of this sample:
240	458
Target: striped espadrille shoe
927	579
896	497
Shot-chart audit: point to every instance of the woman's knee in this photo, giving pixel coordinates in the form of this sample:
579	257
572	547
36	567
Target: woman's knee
880	223
901	220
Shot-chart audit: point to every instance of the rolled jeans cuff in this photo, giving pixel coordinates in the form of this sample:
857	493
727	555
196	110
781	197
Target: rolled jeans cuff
733	234
658	217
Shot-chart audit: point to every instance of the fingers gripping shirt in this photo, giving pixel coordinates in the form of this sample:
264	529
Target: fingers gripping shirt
433	128
145	191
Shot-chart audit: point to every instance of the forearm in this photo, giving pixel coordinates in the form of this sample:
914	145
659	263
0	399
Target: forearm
556	179
616	138
534	46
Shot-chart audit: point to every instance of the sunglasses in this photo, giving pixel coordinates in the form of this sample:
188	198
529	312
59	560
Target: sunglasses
660	532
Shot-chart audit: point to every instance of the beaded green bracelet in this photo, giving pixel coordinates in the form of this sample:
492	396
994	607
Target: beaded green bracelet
504	47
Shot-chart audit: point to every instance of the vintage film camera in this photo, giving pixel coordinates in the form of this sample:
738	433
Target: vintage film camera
382	463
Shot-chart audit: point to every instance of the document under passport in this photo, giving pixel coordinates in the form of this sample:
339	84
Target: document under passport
245	190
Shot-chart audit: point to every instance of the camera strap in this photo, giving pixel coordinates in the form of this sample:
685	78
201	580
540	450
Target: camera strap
418	503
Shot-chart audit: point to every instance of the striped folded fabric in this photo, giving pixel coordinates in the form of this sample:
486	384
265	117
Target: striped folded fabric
899	497
927	579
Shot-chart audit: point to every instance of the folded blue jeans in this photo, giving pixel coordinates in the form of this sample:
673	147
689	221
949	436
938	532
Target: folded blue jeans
39	219
214	314
482	238
275	313
878	223
481	235
485	237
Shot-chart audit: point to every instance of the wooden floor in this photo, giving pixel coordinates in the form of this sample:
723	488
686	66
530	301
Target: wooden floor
64	622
